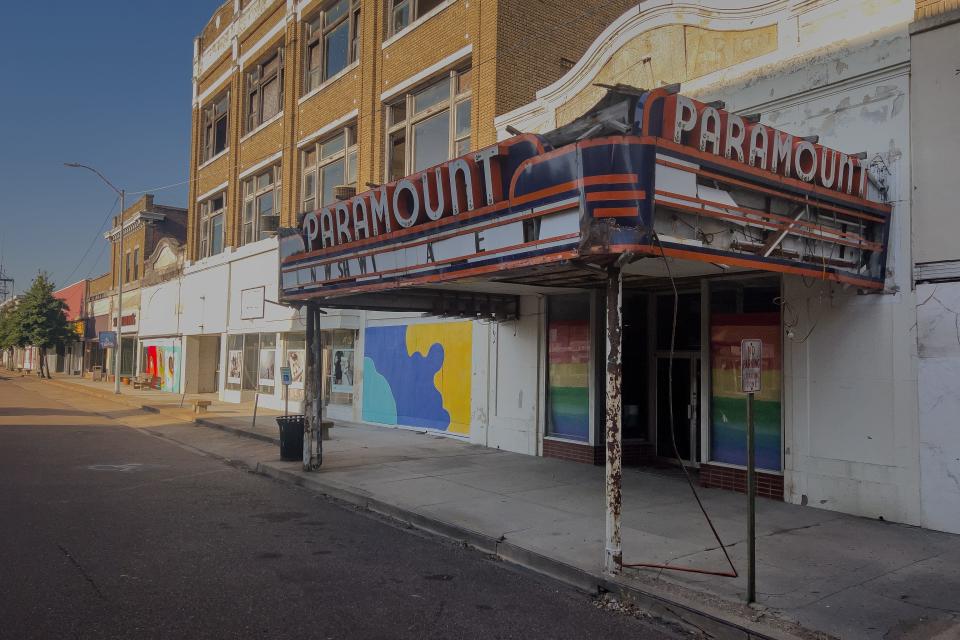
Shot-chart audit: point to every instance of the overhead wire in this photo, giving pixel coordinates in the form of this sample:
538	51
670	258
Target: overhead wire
93	241
676	450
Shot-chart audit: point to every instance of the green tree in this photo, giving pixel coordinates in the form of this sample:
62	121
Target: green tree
10	334
41	319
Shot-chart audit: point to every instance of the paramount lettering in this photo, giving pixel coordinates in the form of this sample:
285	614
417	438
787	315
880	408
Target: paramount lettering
693	123
455	187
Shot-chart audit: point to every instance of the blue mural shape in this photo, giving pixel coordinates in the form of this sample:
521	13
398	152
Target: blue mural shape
402	385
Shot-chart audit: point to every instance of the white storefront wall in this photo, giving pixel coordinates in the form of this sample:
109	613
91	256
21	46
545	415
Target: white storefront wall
840	71
936	151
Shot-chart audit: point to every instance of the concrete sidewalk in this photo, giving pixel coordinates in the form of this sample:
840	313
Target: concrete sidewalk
845	576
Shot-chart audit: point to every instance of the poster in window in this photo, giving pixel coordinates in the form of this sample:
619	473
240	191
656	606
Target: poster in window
235	366
266	373
295	360
728	404
341	374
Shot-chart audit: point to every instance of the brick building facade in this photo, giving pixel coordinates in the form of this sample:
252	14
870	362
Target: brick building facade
280	87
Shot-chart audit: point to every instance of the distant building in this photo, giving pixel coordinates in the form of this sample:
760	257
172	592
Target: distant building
145	225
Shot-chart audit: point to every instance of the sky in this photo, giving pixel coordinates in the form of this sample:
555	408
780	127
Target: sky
108	84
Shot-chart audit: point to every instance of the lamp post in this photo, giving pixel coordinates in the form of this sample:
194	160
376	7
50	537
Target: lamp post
120	193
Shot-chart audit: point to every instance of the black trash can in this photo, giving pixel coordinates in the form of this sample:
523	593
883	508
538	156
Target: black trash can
291	436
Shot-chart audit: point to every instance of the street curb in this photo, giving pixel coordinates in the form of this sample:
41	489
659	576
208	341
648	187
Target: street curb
660	603
208	422
687	612
173	413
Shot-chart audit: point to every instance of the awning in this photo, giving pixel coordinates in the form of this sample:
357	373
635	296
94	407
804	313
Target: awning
652	174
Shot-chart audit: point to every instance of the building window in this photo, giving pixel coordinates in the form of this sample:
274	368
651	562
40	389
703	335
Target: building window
136	263
328	164
333	42
265	89
568	367
211	225
126	268
403	12
261	205
215	127
429	126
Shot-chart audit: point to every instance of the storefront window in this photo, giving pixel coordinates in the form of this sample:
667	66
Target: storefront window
739	311
235	362
338	362
568	367
128	354
267	369
295	357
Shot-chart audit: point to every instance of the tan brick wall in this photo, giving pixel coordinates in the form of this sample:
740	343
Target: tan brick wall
213	74
249	39
211	31
100	284
540	38
930	8
509	38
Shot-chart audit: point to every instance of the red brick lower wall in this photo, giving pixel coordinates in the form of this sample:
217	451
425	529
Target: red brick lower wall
634	453
573	451
769	485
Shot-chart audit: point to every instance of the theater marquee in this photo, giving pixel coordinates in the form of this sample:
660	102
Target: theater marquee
652	174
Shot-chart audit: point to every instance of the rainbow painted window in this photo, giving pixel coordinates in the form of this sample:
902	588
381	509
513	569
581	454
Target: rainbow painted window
747	312
568	368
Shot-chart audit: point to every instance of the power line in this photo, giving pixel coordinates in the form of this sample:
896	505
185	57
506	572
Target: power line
97	235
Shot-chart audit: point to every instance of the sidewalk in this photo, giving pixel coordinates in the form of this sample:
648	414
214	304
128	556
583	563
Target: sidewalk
848	577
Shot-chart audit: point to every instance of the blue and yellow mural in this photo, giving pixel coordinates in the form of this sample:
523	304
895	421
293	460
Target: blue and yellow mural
419	375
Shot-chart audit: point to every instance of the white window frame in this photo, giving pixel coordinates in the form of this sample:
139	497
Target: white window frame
456	145
207	214
414	10
315	33
252	227
255	81
211	115
314	170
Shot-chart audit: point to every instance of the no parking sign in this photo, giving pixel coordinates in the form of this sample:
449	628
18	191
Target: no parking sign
751	356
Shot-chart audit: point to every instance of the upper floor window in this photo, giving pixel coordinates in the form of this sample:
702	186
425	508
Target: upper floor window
215	119
265	89
261	205
211	225
328	164
136	263
126	268
403	12
333	42
429	126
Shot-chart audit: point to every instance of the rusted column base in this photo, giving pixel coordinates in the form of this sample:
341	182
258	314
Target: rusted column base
614	468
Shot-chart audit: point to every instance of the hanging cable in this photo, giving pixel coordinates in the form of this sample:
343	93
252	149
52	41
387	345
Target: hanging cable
676	451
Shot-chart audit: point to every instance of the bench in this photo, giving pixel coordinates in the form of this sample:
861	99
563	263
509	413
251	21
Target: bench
201	406
325	426
142	382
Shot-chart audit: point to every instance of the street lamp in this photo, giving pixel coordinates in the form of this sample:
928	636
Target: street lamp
116	351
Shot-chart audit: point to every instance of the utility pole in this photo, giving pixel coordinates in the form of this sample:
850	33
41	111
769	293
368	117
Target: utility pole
121	195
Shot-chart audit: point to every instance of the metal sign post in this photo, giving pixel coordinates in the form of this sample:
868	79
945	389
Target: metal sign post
751	353
286	378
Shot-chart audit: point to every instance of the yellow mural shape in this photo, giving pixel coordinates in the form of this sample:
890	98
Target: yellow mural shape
453	379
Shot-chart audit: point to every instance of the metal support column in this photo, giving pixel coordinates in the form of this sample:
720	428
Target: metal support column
613	556
312	392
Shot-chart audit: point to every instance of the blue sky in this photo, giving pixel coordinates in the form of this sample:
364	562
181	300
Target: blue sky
107	84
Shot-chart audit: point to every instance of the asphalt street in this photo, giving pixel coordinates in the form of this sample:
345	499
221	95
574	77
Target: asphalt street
108	532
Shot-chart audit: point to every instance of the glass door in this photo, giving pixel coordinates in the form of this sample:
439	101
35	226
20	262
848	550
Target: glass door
685	429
